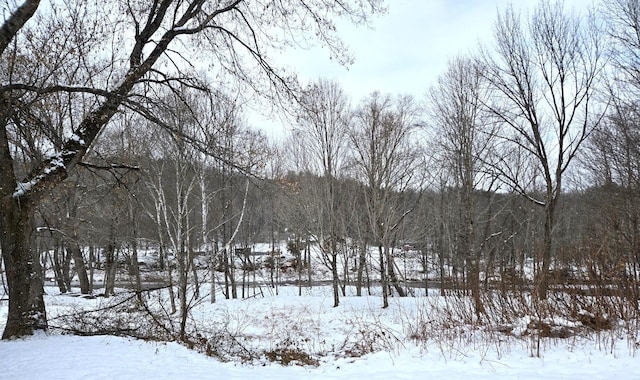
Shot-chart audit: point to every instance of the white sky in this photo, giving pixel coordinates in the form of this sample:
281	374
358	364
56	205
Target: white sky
405	51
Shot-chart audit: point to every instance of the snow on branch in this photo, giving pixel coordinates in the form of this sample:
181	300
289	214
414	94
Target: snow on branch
54	164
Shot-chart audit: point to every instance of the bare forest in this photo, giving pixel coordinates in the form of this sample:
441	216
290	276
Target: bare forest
129	170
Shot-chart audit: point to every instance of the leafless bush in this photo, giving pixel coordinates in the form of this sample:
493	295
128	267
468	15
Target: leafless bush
291	352
368	334
221	344
452	323
121	315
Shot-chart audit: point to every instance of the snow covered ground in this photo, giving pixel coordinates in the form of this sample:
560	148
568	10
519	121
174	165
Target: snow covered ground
312	325
105	357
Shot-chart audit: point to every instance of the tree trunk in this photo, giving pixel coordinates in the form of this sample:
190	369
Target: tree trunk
183	267
110	268
110	263
57	268
232	271
474	282
227	274
362	262
212	270
345	271
393	278
172	294
194	271
383	280
335	279
92	261
299	264
541	283
309	271
73	250
441	244
134	268
27	311
66	268
468	242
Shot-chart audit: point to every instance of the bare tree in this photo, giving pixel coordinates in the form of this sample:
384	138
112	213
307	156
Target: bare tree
465	140
622	27
323	123
386	158
218	118
612	158
614	146
109	56
543	76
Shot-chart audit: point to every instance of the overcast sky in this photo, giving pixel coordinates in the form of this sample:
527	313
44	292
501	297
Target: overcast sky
406	49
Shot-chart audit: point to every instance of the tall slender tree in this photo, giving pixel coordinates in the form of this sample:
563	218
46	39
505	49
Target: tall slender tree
543	75
386	158
465	140
323	123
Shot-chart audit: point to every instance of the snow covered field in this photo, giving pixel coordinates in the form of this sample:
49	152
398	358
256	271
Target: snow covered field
105	357
357	340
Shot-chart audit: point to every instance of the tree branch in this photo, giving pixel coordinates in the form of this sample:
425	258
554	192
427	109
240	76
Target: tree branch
15	22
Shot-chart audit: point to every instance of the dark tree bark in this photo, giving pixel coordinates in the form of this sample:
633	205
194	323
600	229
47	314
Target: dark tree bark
393	277
362	262
74	251
66	268
134	267
383	278
110	268
24	278
335	279
57	268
